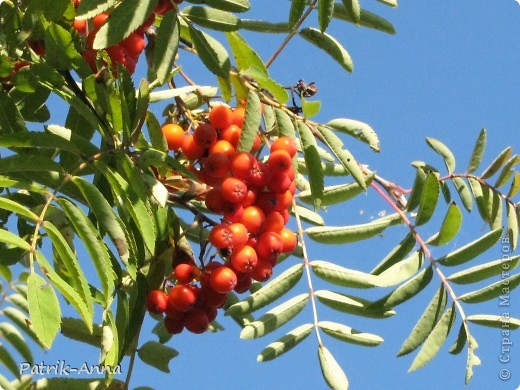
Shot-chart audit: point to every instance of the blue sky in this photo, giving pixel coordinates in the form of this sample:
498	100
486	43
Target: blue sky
451	69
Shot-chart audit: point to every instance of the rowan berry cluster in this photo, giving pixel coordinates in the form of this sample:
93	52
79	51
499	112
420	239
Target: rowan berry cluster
253	195
127	52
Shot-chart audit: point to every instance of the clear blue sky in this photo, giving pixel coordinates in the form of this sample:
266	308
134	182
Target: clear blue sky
451	69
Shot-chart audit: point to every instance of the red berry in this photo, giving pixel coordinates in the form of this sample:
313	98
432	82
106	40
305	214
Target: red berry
156	302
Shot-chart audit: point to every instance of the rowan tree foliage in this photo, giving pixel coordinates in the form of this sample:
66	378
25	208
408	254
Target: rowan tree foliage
185	217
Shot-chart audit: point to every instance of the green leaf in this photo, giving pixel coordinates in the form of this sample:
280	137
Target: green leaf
429	198
123	20
251	124
10	205
94	244
28	163
515	185
310	108
109	340
312	161
13	239
330	45
497	163
60	51
341	276
391	3
473	359
460	342
450	226
11	121
76	329
354	9
275	289
275	318
38	140
285	343
478	152
44	309
353	305
7	360
344	156
212	18
336	194
494	290
87	9
512	225
396	254
166	46
426	323
507	171
402	270
494	321
325	9
264	27
484	198
211	52
405	291
308	215
245	56
105	216
464	193
331	370
157	355
229	5
15	338
435	340
471	250
484	271
154	130
296	11
347	234
278	91
358	130
349	335
444	151
367	19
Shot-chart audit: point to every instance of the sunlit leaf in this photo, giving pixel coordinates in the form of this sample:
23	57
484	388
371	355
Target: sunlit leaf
346	234
331	370
12	239
354	9
495	321
396	254
275	317
245	56
426	323
44	309
229	5
90	8
10	205
12	335
313	162
212	18
507	171
450	226
342	276
497	163
405	291
265	82
353	305
478	152
471	250
285	343
310	108
435	340
349	335
444	151
473	359
76	329
330	45
512	225
270	292
264	26
358	130
20	320
484	271
308	215
8	361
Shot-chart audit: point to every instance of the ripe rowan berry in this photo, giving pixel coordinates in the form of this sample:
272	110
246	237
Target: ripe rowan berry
204	135
196	321
223	279
174	135
221	236
156	302
182	298
244	259
234	190
221	117
285	143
